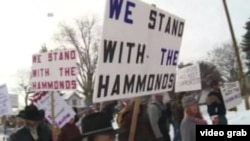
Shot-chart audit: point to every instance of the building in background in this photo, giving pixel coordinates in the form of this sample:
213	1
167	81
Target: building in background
74	100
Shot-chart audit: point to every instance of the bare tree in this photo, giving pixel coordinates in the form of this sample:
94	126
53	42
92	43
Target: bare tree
84	36
224	58
209	72
24	79
23	82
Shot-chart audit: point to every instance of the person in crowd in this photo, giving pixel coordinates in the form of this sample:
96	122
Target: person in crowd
216	106
20	122
70	131
35	129
124	108
190	120
97	127
158	118
177	113
143	131
110	109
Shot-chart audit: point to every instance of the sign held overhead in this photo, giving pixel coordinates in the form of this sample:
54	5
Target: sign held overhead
188	79
139	51
52	71
231	94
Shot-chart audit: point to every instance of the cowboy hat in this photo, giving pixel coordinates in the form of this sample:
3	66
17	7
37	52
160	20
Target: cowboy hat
33	114
97	123
20	114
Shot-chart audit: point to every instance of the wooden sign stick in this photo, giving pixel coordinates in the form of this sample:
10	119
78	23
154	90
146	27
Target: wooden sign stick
134	119
54	129
53	108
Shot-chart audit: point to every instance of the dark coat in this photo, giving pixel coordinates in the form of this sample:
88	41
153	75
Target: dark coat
23	134
215	104
143	129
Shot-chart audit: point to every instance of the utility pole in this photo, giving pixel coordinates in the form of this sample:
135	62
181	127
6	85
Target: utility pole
242	78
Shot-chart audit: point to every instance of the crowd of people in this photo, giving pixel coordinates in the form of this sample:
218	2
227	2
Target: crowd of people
154	120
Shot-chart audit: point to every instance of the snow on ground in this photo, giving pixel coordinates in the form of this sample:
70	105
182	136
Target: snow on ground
241	117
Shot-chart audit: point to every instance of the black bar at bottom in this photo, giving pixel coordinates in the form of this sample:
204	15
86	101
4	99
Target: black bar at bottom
223	132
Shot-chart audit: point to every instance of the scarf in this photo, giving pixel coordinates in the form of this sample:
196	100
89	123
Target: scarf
33	132
200	121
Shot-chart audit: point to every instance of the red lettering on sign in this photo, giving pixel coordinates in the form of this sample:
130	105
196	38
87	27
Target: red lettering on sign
42	72
56	85
64	55
36	59
68	71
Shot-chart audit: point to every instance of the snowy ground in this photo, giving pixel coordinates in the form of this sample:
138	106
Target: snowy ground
241	117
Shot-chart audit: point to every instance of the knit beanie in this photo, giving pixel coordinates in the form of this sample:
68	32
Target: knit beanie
188	101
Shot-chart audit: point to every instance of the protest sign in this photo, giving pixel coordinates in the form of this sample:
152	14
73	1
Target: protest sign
63	112
231	94
139	51
5	106
188	79
55	70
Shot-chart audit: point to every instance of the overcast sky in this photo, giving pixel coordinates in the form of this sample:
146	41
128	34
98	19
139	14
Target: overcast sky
25	26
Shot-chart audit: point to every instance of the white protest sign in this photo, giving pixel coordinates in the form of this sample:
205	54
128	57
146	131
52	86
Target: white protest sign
5	106
188	79
63	112
139	51
52	71
231	94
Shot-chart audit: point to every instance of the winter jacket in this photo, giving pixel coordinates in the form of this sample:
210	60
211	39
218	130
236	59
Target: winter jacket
177	111
143	130
69	132
215	104
23	134
188	128
158	120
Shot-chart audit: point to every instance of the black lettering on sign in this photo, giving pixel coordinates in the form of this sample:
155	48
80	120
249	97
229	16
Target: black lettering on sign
141	83
129	84
136	52
151	80
116	87
135	83
165	23
103	86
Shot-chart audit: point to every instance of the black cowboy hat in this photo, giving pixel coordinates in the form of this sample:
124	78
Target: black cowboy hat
97	123
20	114
32	113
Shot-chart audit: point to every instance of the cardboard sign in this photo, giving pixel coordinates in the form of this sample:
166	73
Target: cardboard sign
63	112
231	94
139	51
5	106
52	71
188	79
